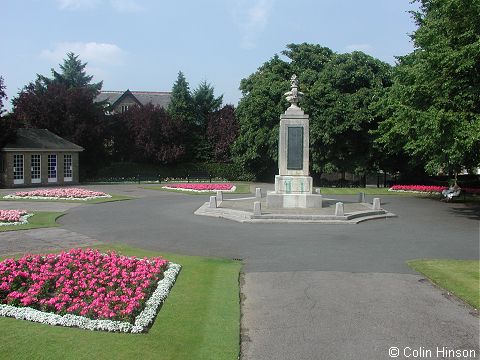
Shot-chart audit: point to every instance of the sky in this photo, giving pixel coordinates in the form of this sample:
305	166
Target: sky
143	44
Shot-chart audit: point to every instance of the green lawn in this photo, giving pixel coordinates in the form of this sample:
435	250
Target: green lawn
240	188
114	197
460	277
199	320
40	219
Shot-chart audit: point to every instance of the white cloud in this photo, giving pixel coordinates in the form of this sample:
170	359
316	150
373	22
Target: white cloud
98	53
99	56
251	17
358	47
125	6
77	4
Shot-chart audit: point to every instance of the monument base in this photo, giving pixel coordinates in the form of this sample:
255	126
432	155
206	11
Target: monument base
293	184
278	200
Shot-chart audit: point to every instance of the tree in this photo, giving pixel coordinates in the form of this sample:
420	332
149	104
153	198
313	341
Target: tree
339	91
258	111
205	103
182	109
157	137
3	95
7	125
181	101
222	130
68	110
72	75
432	110
340	105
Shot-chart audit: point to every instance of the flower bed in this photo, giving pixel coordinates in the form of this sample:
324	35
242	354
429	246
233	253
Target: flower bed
201	187
86	289
429	189
13	217
58	194
418	188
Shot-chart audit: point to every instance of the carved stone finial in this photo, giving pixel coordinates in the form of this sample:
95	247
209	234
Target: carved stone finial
294	96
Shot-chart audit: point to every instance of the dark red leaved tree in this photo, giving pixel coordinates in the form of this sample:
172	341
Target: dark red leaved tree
222	130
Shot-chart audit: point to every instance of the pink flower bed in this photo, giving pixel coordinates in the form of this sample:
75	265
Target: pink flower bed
418	188
201	187
81	282
59	193
11	215
430	189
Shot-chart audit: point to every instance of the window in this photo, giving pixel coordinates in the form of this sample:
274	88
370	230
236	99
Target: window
35	167
18	169
52	168
124	108
67	168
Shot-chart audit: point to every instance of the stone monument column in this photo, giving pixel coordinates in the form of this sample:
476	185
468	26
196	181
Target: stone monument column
293	185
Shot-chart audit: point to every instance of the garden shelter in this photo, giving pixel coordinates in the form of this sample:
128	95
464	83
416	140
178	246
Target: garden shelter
38	157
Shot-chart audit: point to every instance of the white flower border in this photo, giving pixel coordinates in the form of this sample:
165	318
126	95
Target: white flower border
23	220
142	321
15	197
416	192
193	190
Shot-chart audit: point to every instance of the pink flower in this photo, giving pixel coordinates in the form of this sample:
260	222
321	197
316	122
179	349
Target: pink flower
418	188
202	187
62	193
11	215
111	283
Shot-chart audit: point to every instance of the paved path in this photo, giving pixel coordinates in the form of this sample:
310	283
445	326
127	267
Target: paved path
337	315
38	205
313	291
41	240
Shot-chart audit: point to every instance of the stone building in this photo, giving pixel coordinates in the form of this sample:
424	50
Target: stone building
121	101
38	157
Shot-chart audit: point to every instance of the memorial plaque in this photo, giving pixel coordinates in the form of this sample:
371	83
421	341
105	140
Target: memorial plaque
295	148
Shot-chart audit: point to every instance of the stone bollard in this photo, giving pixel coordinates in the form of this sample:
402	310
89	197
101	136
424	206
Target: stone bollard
258	193
318	191
219	195
361	197
376	204
339	209
257	208
213	202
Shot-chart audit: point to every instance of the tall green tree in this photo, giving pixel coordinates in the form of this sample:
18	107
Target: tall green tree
205	103
68	110
181	101
339	91
433	109
72	75
182	110
258	111
340	105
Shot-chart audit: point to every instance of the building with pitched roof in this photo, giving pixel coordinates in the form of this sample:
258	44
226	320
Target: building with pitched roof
121	101
38	157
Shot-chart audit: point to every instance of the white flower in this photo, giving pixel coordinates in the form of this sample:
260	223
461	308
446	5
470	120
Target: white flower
142	321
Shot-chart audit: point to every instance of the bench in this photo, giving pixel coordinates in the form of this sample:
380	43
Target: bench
449	194
199	175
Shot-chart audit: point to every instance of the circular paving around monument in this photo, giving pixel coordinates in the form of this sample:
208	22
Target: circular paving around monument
242	210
